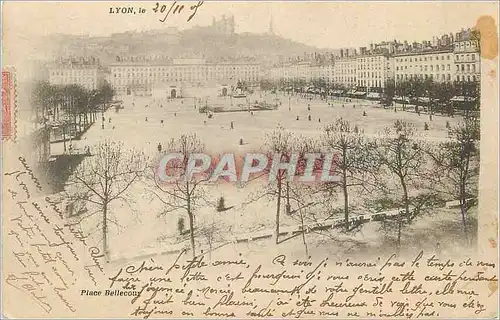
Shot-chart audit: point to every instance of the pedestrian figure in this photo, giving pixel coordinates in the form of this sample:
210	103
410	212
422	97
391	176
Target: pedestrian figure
146	119
241	141
161	106
319	119
251	113
161	122
297	117
354	106
159	147
113	127
308	108
232	125
175	114
343	106
205	122
364	113
109	120
309	117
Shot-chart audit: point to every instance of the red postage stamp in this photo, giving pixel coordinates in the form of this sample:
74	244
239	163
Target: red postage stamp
8	104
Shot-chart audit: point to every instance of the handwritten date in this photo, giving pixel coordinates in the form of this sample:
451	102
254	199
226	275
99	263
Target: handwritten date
175	8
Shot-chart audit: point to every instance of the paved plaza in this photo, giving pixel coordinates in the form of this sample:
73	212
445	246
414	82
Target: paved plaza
139	125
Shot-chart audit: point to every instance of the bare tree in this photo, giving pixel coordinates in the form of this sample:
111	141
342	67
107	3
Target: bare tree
278	143
303	198
102	179
457	165
402	156
354	161
186	192
212	231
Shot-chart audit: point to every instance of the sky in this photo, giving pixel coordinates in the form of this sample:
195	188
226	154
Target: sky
323	24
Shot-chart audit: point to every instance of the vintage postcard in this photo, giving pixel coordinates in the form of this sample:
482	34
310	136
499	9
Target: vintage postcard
249	159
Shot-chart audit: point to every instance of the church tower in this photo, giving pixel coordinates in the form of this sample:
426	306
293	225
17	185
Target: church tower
271	26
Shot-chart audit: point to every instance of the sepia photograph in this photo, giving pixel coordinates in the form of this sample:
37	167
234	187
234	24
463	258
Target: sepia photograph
218	159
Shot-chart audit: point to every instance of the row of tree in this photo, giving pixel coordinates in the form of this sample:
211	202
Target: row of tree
437	93
70	104
400	167
397	170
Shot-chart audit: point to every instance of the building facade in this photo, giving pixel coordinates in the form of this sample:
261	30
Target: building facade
437	65
373	71
344	72
449	58
141	77
87	73
467	56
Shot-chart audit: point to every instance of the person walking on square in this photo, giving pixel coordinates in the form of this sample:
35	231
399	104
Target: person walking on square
159	147
232	125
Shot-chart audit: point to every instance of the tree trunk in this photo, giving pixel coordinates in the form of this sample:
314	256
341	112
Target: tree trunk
288	197
400	223
105	231
303	232
191	226
346	199
278	208
463	209
191	229
405	198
